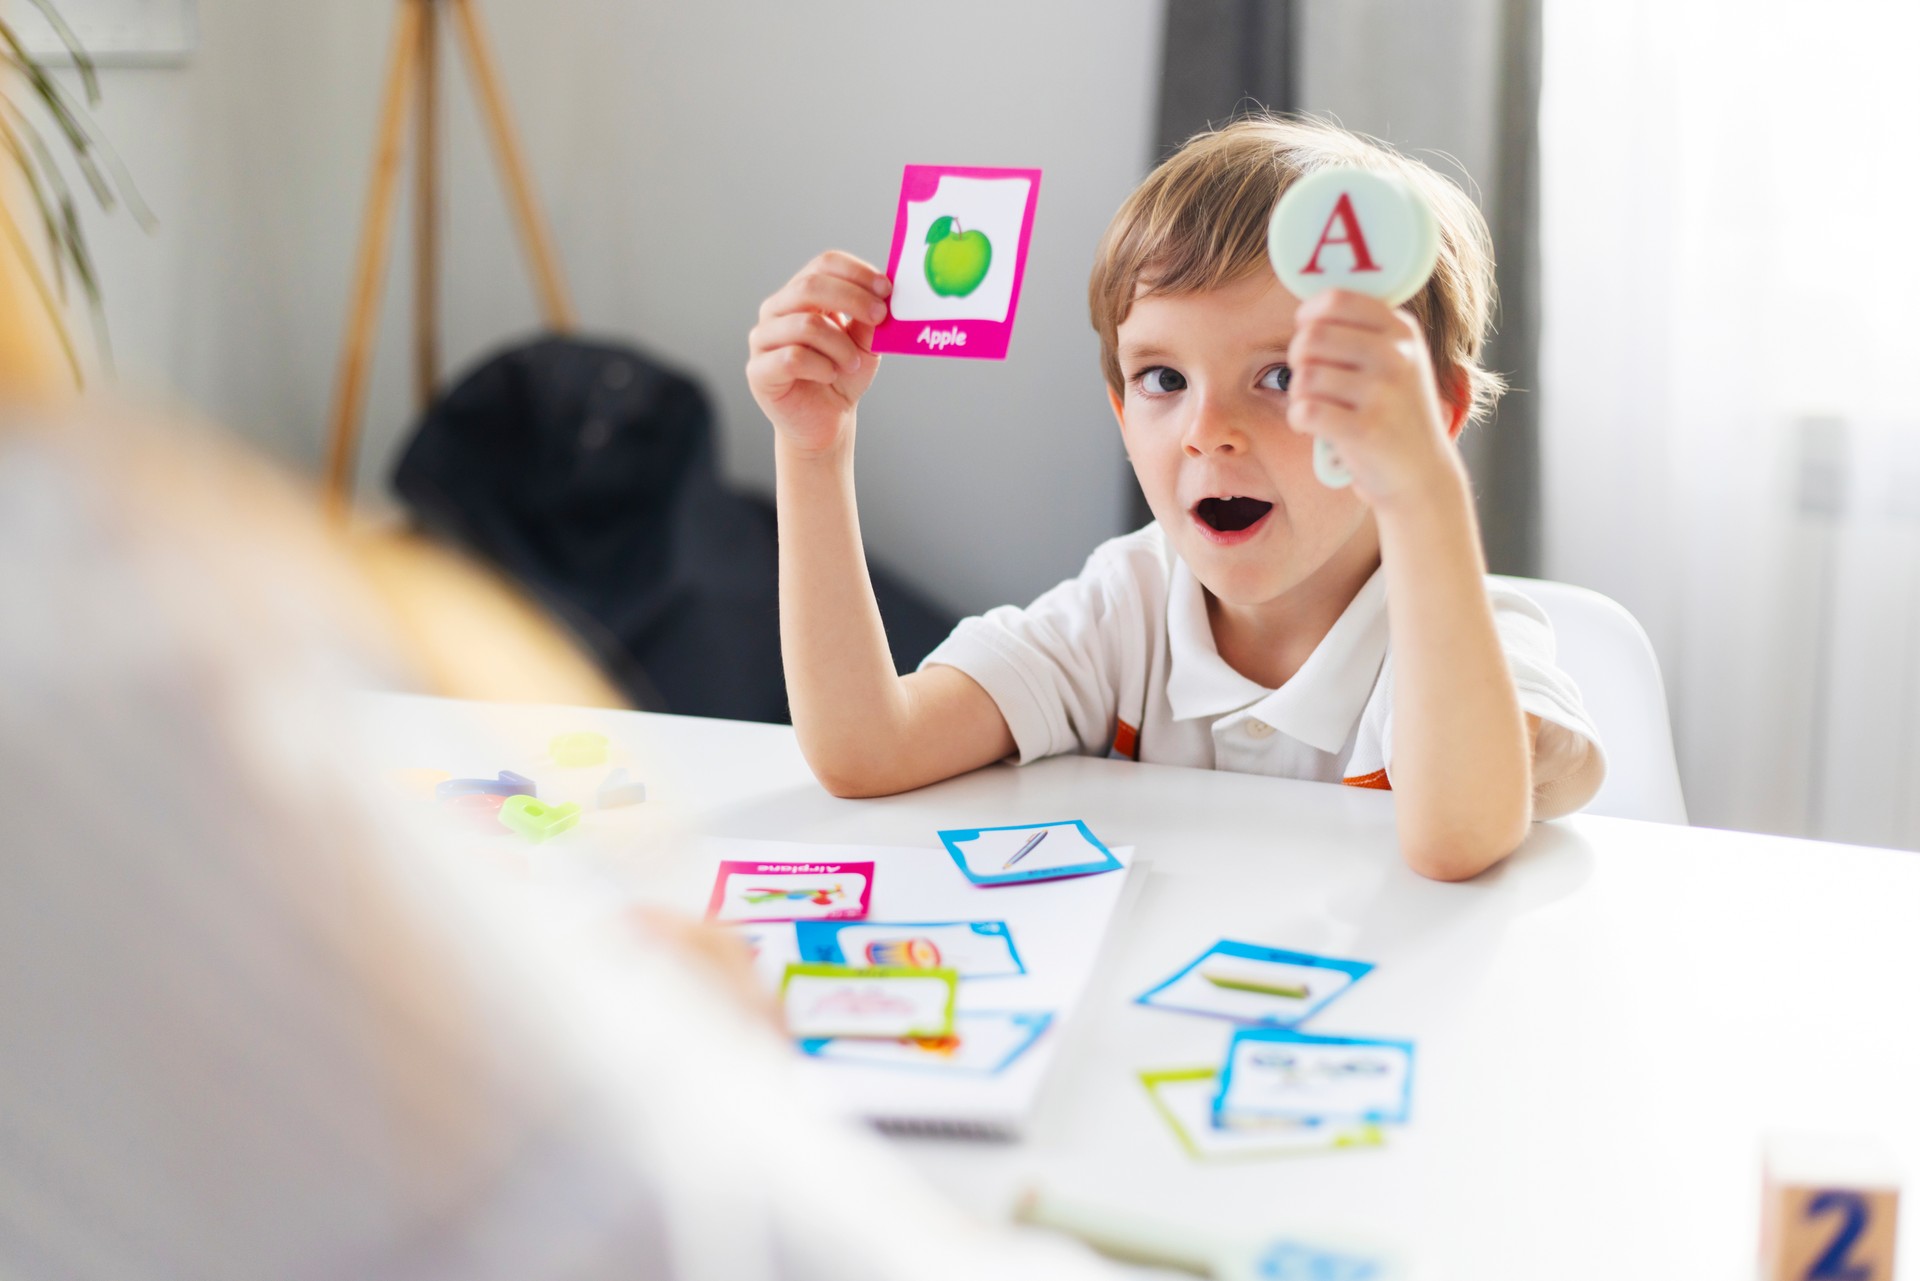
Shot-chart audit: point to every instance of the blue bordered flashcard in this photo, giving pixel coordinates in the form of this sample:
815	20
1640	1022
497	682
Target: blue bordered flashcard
974	949
1027	852
1249	983
1277	1075
984	1043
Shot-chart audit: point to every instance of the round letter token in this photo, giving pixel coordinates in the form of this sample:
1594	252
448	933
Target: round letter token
1346	228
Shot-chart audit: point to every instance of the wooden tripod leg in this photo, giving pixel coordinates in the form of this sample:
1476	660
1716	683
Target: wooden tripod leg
426	224
363	316
533	228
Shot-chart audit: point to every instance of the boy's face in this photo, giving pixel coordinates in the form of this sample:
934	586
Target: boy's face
1204	418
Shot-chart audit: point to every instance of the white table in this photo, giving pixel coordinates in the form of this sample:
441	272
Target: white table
1606	1024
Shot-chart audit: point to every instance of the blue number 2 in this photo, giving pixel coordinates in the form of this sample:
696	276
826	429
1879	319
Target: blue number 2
1833	1265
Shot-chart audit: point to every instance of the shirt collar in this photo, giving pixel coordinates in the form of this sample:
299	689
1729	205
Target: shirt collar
1323	701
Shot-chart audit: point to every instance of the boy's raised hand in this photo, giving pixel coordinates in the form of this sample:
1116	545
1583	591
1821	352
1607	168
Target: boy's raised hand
810	358
1363	381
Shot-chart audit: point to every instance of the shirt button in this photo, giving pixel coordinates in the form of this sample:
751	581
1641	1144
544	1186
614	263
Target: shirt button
1258	729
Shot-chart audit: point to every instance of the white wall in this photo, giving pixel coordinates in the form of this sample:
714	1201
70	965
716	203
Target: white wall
691	156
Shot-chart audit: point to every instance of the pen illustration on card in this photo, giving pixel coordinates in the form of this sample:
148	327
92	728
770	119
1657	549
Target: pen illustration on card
744	891
959	255
1253	984
1027	852
976	949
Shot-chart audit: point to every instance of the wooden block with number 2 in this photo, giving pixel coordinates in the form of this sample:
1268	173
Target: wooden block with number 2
1829	1210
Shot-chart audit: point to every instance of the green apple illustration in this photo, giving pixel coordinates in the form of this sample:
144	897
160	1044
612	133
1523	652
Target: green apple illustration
956	260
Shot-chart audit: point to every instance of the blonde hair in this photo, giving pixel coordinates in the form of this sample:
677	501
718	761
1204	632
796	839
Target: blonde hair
1199	222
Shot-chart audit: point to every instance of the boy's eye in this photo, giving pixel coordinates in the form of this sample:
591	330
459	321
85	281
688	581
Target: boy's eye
1278	378
1159	380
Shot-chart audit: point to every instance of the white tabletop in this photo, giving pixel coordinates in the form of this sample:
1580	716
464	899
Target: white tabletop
1607	1024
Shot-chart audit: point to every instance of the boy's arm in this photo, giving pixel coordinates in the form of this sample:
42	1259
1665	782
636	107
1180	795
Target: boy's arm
1462	750
1462	766
864	730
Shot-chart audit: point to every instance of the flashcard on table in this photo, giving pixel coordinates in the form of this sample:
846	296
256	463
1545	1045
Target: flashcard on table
959	254
1184	1098
881	1001
983	1043
1272	1074
1252	984
973	949
1029	852
745	891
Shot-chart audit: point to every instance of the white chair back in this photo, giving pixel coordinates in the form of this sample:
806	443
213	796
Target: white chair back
1607	653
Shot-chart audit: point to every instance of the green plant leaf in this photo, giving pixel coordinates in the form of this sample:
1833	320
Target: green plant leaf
91	153
941	229
81	58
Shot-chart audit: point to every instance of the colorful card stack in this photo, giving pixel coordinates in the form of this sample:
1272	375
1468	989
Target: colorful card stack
1278	1090
825	970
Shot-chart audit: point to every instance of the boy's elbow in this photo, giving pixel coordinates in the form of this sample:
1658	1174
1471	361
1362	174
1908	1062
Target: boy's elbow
850	776
854	785
1458	854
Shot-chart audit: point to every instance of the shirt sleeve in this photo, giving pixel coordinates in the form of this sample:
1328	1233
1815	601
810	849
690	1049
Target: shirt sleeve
1053	667
1569	763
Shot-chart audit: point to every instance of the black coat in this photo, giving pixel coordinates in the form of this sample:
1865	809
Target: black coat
586	473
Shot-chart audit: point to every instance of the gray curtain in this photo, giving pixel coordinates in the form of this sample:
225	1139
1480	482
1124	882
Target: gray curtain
1455	82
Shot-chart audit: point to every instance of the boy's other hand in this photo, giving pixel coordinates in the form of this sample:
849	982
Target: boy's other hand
810	358
1363	381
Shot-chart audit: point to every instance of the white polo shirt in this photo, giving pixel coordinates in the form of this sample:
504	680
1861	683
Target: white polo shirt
1121	661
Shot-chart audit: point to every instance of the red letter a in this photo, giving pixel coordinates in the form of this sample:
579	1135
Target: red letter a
1342	214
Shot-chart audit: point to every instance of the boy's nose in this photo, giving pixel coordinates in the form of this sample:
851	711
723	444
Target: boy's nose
1212	429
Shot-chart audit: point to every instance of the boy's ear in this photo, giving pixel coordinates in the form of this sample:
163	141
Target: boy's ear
1113	398
1458	397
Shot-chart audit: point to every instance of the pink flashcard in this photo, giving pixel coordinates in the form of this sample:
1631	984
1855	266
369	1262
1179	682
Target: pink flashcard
791	891
959	254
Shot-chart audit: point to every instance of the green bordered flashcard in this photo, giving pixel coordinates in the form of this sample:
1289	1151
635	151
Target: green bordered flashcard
1184	1099
878	1001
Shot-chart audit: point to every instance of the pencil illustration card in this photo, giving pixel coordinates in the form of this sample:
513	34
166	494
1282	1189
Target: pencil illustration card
1028	852
744	891
883	1001
973	949
1184	1099
959	255
1273	1074
1249	983
983	1043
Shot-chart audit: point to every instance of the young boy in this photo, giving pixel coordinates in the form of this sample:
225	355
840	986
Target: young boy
1247	627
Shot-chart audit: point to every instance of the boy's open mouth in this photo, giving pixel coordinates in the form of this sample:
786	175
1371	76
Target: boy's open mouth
1230	515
